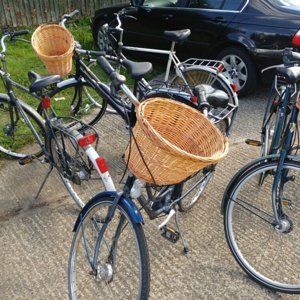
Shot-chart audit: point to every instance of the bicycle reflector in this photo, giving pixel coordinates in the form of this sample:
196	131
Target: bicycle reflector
220	68
101	163
194	99
46	102
235	87
296	39
87	140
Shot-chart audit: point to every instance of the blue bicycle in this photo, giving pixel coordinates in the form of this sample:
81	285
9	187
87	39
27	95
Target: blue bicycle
262	217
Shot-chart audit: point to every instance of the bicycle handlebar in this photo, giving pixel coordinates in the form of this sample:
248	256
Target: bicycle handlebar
90	52
11	35
66	17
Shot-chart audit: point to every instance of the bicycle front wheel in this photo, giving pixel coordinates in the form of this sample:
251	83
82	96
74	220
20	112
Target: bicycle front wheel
78	99
269	255
122	266
16	138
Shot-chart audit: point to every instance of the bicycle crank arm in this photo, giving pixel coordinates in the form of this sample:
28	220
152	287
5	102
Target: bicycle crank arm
170	215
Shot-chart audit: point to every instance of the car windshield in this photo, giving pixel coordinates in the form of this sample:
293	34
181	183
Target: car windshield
288	4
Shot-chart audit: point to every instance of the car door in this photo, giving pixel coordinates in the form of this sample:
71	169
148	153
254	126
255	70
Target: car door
151	20
206	19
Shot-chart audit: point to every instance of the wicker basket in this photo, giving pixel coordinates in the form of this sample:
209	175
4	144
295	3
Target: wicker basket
174	141
54	45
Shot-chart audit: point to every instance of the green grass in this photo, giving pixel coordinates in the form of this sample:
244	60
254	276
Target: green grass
21	58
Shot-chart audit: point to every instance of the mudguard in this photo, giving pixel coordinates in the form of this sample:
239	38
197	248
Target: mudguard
126	203
248	167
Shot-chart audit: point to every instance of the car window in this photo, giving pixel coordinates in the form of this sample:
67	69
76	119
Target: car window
287	4
233	4
207	4
160	3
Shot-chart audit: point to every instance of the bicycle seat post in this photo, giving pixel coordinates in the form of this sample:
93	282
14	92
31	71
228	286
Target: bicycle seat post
169	61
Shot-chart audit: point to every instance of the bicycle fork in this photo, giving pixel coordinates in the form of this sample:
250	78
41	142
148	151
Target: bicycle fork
281	177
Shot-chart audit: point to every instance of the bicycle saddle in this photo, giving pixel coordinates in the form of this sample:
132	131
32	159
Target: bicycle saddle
137	70
38	82
292	74
178	36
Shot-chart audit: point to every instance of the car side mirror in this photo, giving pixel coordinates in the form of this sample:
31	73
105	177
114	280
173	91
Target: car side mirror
136	2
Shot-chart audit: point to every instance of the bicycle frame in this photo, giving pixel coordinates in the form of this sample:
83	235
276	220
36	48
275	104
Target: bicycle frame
284	99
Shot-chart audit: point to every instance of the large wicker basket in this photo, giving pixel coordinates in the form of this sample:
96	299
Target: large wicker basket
54	45
172	141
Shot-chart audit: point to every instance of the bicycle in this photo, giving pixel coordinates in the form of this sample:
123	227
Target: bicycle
85	77
71	153
66	149
273	125
189	73
261	218
156	200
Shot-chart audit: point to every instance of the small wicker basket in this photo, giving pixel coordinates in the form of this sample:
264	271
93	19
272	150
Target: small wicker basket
54	45
171	142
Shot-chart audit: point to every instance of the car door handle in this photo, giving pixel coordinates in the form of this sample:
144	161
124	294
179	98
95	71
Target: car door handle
219	20
167	17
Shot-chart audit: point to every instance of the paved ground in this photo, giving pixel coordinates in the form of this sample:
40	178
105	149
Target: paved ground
35	236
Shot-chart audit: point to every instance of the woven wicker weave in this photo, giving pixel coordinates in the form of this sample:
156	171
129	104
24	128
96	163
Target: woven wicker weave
54	45
175	141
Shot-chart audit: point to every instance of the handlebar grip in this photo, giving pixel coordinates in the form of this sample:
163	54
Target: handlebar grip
105	65
73	13
294	56
19	32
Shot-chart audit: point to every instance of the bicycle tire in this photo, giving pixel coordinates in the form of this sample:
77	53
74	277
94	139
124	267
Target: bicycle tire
19	142
129	263
81	100
197	184
266	254
78	175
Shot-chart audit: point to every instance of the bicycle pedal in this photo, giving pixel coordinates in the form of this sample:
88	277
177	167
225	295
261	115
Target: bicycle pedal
26	160
253	143
170	234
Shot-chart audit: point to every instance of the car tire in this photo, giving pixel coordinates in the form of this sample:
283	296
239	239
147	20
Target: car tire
239	69
102	40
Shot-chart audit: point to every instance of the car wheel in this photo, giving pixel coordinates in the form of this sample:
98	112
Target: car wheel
239	69
103	41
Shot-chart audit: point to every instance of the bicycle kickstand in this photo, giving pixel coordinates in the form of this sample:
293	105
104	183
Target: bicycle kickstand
44	181
171	234
184	242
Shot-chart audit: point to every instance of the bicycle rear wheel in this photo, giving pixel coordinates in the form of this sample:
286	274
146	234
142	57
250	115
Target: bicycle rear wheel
16	138
195	75
194	187
74	168
269	255
78	99
122	266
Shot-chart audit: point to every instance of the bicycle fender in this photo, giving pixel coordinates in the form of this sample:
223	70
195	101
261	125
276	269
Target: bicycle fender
239	174
126	203
247	168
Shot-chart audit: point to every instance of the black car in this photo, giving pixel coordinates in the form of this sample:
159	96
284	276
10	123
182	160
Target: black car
229	30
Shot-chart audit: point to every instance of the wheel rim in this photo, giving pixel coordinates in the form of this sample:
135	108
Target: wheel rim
235	70
113	282
265	253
